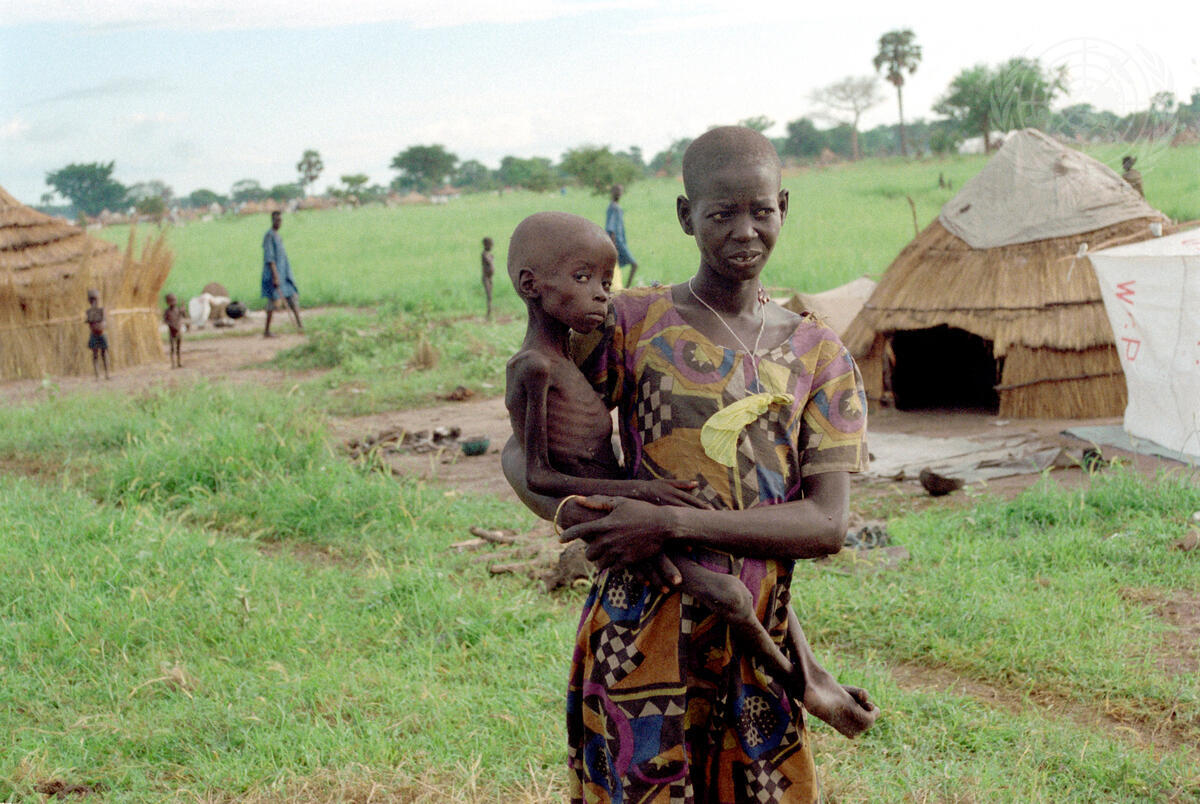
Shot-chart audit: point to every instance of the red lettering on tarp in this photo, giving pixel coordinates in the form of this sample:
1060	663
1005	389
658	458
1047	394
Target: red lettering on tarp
1132	347
1125	291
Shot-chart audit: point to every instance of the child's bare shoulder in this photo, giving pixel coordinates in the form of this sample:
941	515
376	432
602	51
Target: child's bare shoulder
531	364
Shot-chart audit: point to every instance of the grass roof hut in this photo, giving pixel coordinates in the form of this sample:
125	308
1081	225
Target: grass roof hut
994	305
46	269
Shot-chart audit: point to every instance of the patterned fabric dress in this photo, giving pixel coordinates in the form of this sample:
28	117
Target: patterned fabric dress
661	707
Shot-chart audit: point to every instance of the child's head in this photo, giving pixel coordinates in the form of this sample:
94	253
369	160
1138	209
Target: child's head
564	265
617	192
733	206
1127	162
170	299
93	296
487	244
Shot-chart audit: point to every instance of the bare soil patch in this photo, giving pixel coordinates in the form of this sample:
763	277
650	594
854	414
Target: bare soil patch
1179	652
234	353
1163	732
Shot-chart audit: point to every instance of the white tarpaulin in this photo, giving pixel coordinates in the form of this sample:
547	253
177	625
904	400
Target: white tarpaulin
1151	291
1037	189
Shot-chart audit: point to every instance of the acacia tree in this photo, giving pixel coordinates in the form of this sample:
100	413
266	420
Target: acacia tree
598	168
90	187
309	168
850	97
898	53
424	166
759	123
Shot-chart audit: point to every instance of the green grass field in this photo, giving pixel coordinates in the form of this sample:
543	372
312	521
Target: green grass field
845	221
201	599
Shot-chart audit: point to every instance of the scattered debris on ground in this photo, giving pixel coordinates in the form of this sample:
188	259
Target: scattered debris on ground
939	485
461	393
399	439
536	554
58	788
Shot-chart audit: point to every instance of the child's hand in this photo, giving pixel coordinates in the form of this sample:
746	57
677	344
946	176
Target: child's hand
668	492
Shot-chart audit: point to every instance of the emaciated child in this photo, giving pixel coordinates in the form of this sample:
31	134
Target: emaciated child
97	340
173	318
562	266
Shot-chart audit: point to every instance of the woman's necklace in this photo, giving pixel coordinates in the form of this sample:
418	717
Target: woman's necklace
761	326
720	433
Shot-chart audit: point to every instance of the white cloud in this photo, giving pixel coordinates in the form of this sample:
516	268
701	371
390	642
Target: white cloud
228	15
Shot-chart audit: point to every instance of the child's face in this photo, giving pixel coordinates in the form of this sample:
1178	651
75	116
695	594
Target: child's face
170	299
736	219
575	291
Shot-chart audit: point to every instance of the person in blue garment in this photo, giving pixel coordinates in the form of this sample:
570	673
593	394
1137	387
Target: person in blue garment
614	224
277	280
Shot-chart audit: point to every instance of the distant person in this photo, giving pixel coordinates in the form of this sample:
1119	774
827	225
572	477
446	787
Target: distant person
488	261
614	224
97	340
277	280
1132	176
173	318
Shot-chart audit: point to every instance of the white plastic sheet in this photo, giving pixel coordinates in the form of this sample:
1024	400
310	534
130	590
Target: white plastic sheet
1151	292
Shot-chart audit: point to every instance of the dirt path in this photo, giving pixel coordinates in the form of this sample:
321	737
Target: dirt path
233	353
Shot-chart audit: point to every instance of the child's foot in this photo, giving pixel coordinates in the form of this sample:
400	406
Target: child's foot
846	708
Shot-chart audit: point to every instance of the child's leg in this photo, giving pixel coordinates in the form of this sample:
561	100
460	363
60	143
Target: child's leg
96	363
730	600
104	357
845	708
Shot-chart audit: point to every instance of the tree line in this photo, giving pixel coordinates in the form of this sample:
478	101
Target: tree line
980	101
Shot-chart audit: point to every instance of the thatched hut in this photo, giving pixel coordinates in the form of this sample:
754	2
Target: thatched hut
994	305
46	269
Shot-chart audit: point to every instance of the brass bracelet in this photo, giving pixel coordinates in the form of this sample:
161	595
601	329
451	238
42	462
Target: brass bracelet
558	528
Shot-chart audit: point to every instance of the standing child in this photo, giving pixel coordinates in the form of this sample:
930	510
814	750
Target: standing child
173	318
489	270
97	340
614	224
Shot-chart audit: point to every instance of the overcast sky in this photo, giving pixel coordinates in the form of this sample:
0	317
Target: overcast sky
202	93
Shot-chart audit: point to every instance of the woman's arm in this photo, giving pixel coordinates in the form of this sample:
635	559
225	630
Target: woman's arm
807	528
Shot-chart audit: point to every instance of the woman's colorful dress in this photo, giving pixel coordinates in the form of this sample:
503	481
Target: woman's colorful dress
661	707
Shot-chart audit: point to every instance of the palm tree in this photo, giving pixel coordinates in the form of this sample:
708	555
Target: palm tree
898	51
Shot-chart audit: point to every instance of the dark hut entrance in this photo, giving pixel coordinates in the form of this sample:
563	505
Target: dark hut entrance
944	367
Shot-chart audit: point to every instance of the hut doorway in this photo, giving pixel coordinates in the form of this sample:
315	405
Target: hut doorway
944	367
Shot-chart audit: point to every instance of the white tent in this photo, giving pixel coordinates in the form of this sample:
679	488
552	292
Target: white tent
1151	292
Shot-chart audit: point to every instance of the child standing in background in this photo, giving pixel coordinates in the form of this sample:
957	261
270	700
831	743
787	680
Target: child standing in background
489	270
173	318
97	340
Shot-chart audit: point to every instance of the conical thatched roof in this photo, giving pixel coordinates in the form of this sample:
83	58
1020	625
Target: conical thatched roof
1038	303
1034	189
46	269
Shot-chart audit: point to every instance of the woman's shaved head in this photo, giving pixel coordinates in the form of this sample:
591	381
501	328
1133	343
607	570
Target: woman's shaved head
723	147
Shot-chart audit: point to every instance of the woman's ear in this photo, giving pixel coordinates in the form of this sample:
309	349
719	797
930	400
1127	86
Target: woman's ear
683	210
527	284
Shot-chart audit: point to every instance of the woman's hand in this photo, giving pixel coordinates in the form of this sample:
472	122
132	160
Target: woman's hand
630	532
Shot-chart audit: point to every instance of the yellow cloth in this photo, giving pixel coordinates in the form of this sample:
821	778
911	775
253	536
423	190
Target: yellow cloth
719	435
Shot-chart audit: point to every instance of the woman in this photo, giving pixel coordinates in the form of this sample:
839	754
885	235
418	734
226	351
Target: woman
765	411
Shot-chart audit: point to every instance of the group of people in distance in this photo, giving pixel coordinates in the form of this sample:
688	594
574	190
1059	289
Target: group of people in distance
739	424
278	283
